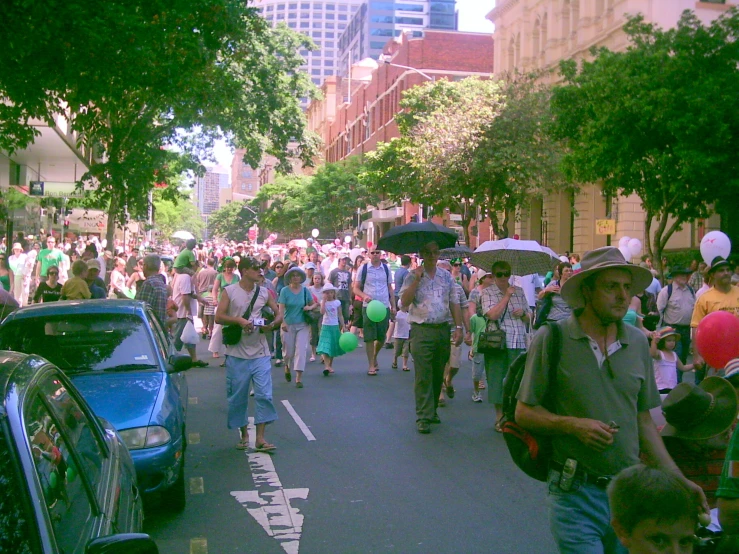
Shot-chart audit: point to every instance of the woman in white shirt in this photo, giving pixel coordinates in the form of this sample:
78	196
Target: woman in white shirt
17	263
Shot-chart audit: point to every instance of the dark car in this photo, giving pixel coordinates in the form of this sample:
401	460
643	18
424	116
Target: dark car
122	362
67	481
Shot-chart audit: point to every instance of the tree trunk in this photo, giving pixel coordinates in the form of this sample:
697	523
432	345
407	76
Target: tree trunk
112	216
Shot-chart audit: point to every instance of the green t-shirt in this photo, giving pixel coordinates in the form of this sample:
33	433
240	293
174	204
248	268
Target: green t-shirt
728	486
185	259
49	258
477	326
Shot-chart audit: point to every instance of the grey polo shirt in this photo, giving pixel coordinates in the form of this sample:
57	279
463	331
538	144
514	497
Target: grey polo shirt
587	390
678	309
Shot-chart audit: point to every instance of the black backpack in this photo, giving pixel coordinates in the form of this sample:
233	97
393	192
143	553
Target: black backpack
530	452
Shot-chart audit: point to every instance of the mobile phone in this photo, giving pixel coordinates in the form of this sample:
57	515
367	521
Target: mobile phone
568	474
258	322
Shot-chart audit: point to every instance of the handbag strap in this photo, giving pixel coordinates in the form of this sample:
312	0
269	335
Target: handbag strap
555	352
247	314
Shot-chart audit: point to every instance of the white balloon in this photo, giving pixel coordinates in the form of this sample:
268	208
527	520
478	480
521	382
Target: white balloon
347	239
625	252
314	233
623	241
715	244
635	248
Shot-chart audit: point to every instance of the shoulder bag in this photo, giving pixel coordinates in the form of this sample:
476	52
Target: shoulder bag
492	340
310	316
232	333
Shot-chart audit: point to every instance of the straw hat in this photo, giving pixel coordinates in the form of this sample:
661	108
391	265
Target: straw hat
602	259
700	412
328	287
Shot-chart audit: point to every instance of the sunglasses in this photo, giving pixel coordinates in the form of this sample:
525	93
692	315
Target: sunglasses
500	274
53	273
375	252
457	265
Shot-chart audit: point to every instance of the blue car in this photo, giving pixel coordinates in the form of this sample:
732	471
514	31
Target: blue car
122	362
67	481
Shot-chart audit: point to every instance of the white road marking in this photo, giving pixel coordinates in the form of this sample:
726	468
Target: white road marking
199	546
196	485
270	505
192	400
299	421
193	438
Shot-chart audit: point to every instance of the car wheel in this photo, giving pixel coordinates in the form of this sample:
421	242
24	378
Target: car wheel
175	497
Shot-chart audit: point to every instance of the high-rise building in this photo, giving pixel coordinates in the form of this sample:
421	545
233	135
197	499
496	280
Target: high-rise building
322	21
377	22
208	189
244	178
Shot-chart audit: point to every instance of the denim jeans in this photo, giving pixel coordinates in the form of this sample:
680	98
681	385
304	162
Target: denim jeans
580	519
240	373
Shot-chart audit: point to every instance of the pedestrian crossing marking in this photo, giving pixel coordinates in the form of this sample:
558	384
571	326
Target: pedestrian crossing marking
193	438
196	485
199	546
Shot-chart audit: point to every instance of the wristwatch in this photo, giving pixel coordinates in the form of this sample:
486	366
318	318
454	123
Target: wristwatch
458	327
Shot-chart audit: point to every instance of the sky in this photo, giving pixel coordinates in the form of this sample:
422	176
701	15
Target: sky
471	18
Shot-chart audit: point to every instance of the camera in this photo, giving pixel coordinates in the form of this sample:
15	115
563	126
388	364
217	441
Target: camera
258	322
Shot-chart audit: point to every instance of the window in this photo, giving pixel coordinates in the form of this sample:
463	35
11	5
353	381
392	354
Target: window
304	53
304	15
316	81
342	26
281	7
330	16
270	8
304	24
77	342
381	19
280	16
317	25
316	34
329	34
329	25
15	529
342	7
248	186
374	45
67	464
329	44
292	15
442	21
315	71
305	6
292	25
292	6
381	32
442	7
409	20
328	72
342	17
315	61
331	7
328	63
243	186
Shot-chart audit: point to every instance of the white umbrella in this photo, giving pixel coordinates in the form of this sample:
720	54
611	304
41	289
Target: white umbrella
524	256
183	235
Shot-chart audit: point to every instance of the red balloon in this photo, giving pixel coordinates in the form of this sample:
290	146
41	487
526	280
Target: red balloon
717	338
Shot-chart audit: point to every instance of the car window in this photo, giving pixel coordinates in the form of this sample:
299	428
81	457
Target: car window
92	342
161	337
15	521
70	508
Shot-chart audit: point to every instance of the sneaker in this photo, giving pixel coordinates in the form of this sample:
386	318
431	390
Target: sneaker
476	397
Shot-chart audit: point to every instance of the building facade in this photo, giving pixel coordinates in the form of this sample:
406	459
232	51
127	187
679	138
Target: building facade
322	21
244	178
208	189
538	34
377	22
353	127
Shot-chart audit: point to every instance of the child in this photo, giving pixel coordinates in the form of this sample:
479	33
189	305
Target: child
333	322
76	288
652	511
186	260
401	336
666	362
477	326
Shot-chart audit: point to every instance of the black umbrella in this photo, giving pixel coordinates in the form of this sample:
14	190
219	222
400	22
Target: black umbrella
410	238
455	252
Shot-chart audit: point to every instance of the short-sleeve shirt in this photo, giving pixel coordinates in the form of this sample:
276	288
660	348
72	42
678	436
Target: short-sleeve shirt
464	304
514	327
76	289
433	297
678	309
185	258
615	391
153	291
294	303
48	294
398	278
252	345
715	301
205	278
477	326
49	257
376	283
331	315
342	280
182	289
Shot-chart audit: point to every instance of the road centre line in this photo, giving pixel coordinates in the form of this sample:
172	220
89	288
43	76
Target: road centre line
299	421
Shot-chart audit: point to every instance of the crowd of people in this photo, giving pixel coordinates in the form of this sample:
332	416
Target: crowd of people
290	306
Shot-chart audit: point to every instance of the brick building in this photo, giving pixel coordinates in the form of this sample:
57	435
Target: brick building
358	111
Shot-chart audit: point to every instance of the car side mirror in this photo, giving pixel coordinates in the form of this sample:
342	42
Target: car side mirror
125	543
179	362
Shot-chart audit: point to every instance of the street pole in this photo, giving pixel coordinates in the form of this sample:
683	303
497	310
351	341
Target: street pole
150	217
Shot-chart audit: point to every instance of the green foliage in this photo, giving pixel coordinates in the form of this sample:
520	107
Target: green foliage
326	201
660	120
468	143
140	77
232	221
171	216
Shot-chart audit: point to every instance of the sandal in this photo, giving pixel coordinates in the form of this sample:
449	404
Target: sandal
395	365
442	403
450	391
288	376
498	427
265	447
243	444
372	372
406	369
299	385
326	372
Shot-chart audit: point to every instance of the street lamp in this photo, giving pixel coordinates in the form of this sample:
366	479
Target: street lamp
385	59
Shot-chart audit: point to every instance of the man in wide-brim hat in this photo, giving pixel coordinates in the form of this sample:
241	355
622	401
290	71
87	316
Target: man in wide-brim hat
597	408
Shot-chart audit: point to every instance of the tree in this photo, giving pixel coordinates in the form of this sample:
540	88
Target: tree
140	77
171	216
659	120
461	146
232	221
333	195
283	205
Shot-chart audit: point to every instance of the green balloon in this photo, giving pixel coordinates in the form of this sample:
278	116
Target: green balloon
348	342
53	479
376	311
71	474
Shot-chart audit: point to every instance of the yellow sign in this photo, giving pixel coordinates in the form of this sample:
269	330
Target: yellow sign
605	226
